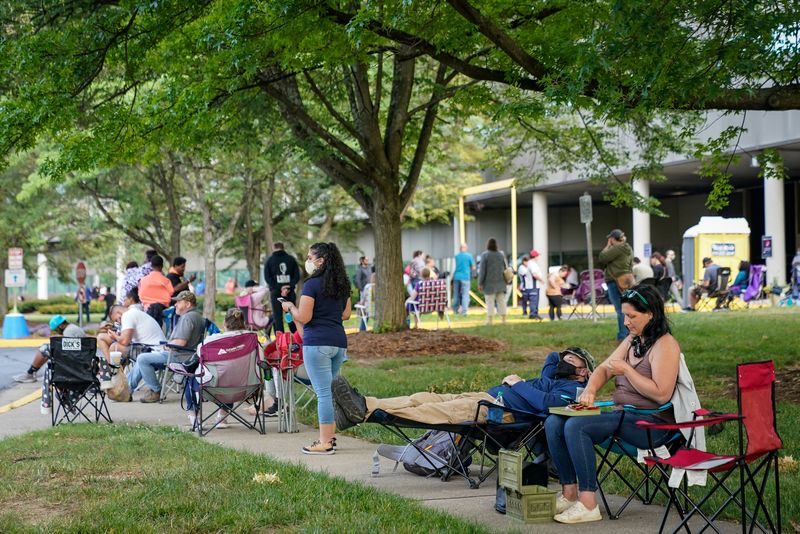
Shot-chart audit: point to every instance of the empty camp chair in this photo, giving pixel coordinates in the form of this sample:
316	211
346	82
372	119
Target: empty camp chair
431	297
227	375
583	293
755	287
72	380
285	357
739	476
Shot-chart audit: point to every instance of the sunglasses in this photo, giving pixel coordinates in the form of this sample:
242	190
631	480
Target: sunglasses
630	293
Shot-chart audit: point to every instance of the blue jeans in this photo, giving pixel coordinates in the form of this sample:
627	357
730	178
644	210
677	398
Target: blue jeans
615	297
322	364
461	295
530	297
145	369
571	442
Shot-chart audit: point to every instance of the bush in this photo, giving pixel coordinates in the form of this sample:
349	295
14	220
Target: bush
52	309
32	305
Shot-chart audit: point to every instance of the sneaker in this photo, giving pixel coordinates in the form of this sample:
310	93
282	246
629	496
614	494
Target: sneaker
578	513
221	423
105	385
44	409
319	448
333	443
272	411
152	396
563	504
25	377
352	403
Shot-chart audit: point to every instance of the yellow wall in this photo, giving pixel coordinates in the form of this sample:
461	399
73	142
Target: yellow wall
705	245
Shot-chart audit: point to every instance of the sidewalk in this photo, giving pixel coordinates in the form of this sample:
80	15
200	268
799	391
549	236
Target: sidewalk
352	461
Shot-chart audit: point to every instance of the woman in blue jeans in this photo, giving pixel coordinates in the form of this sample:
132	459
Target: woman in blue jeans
645	368
324	304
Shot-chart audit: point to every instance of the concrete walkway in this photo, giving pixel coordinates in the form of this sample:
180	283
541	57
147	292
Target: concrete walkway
353	461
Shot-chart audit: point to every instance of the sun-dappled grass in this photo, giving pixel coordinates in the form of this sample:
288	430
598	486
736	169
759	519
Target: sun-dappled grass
121	478
713	344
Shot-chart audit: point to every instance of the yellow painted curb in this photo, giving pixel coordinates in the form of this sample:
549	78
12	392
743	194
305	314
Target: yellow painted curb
22	402
22	343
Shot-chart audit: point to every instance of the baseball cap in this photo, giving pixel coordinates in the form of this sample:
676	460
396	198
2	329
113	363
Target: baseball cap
706	260
186	295
616	234
56	321
534	253
583	354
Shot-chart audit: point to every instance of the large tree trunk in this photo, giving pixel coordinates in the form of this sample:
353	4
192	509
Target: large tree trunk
390	292
210	252
267	194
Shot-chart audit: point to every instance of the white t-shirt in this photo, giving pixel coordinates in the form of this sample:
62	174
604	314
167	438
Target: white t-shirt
525	276
145	328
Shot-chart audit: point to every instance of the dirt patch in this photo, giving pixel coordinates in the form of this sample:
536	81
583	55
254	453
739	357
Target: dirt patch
35	510
409	343
787	385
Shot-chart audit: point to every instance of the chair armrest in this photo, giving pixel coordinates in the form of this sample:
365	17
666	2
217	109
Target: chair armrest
645	411
179	348
708	421
179	369
512	411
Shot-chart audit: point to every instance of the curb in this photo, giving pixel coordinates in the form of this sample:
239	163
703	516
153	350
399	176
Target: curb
26	343
30	397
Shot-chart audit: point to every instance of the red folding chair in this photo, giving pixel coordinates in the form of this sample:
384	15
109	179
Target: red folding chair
758	424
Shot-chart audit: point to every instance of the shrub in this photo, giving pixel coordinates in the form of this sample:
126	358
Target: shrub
52	309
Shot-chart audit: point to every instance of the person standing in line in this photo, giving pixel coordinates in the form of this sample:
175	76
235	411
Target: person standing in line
84	298
491	281
281	274
555	281
176	273
641	271
109	298
134	274
617	258
363	274
538	279
675	287
526	285
658	263
462	279
324	305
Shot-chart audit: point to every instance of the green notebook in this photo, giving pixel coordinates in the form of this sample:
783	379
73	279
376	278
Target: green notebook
571	412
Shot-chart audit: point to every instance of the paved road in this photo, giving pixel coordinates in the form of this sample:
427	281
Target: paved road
12	362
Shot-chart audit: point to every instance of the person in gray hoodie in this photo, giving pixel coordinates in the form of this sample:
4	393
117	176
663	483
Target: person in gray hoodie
491	281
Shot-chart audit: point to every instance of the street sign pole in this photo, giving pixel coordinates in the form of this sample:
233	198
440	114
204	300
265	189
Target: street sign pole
585	202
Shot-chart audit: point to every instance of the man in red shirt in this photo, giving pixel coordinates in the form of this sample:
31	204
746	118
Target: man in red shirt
155	287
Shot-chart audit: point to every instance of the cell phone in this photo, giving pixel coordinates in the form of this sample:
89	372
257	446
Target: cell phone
281	299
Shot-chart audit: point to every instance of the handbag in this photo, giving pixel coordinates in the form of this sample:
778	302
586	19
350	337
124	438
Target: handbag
625	281
508	275
119	390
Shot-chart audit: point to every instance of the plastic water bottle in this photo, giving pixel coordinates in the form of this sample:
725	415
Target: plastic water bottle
495	415
376	464
288	317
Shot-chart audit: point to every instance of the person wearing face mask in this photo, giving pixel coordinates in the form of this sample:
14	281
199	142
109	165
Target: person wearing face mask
562	374
645	367
324	304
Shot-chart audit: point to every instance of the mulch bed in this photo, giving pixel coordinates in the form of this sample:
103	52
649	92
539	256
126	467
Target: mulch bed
409	343
787	385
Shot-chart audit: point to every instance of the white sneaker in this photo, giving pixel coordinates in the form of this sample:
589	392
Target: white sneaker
563	504
25	377
578	513
220	423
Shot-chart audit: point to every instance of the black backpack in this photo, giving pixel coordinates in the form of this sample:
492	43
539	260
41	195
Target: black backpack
438	446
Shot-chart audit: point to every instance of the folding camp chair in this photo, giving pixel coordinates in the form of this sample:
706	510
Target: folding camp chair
755	287
752	463
72	381
285	356
468	438
365	307
431	297
583	293
253	320
227	374
614	451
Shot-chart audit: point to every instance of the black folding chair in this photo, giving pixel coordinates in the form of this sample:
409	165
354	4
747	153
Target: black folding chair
468	438
72	378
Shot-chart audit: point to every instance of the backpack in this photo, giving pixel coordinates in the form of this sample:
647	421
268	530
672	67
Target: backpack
439	450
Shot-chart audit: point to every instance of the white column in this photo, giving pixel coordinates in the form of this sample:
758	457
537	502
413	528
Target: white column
641	221
540	241
41	276
774	226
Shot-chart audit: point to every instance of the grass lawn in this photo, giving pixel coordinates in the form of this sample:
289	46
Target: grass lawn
120	478
713	344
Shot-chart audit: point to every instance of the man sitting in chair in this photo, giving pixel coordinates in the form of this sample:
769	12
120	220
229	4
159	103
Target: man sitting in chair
561	375
709	283
187	333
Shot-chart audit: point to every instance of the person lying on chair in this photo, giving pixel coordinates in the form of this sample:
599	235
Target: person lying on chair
562	373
